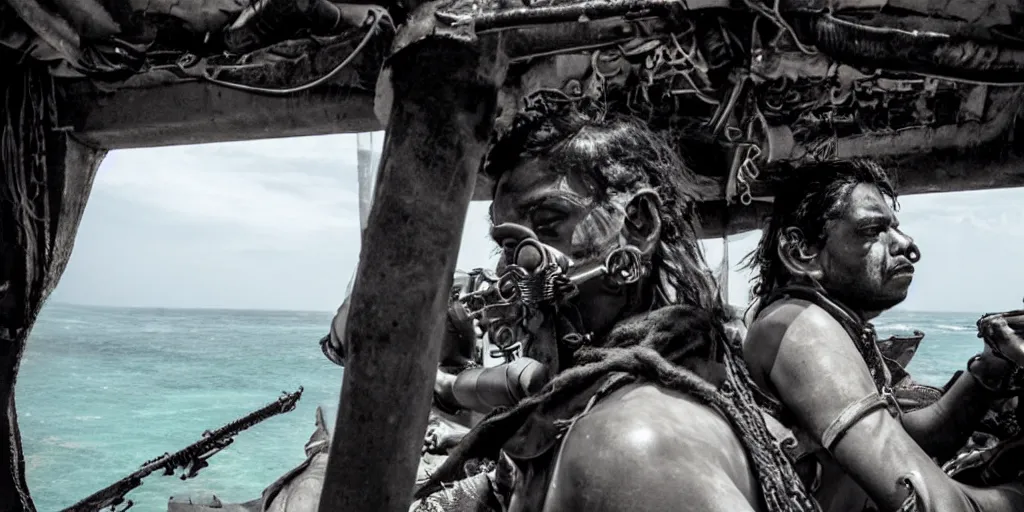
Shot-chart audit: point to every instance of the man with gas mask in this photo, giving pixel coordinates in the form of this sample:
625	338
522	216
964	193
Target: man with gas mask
832	258
603	281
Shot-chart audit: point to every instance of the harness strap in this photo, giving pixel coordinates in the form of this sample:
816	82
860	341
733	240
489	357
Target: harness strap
849	417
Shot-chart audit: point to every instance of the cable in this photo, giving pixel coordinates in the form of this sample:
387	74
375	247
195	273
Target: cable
292	90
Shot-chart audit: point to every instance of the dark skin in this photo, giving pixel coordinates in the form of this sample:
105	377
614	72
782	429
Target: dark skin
561	210
803	355
867	263
679	454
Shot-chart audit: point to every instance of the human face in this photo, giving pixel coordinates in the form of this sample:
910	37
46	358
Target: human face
866	261
562	209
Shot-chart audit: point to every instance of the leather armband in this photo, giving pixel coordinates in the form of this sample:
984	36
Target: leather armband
484	389
852	414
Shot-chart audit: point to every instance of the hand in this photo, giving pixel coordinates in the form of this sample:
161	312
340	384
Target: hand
441	438
988	464
1004	334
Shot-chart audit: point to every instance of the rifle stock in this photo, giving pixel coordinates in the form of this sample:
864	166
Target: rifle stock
191	459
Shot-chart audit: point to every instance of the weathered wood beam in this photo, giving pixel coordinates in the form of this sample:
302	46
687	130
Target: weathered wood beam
198	113
993	166
443	110
717	219
191	113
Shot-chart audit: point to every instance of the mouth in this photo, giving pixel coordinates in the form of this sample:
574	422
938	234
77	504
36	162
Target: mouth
904	270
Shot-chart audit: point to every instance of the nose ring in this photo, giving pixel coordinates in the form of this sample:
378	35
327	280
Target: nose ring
913	253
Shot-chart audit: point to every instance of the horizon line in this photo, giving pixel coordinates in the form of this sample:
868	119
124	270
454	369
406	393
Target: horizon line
332	311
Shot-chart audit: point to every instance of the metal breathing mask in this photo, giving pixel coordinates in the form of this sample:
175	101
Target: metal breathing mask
540	280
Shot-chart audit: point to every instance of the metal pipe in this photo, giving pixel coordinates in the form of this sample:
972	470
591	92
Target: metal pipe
578	11
438	128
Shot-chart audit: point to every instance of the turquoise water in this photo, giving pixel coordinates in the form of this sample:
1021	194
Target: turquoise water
102	390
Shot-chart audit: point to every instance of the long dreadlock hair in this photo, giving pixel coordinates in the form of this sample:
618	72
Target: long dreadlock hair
681	344
810	198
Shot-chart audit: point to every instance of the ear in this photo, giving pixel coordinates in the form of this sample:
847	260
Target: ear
643	221
795	254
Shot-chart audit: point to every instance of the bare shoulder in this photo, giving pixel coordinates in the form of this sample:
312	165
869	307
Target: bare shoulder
816	353
815	325
767	331
648	448
792	321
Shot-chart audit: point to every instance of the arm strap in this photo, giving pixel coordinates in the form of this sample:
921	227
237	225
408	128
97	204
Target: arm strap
849	417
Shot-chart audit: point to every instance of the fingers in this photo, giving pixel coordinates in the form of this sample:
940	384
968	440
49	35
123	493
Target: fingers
429	441
998	334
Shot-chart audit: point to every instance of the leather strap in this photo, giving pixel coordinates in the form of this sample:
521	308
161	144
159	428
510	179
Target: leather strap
849	417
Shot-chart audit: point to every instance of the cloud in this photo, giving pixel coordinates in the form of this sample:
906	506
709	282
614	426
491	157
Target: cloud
990	211
275	224
294	189
271	224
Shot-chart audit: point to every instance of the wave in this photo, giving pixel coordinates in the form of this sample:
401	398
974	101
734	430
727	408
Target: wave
954	328
925	327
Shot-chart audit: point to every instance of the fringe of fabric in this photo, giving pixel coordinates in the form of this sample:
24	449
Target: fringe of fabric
45	183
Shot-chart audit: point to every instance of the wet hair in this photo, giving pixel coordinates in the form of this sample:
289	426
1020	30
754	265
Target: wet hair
622	156
811	197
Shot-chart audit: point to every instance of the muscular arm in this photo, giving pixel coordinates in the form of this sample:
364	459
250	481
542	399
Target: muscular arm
818	373
944	427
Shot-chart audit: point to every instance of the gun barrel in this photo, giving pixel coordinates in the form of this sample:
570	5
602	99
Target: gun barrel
114	494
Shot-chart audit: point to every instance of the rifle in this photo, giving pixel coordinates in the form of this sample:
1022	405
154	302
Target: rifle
191	459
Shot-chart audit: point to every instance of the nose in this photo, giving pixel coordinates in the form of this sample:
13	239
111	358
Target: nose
508	235
903	244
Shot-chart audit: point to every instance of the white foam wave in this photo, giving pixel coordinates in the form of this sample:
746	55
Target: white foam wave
898	328
954	328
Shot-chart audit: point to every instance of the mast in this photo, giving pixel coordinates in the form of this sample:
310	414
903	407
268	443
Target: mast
366	176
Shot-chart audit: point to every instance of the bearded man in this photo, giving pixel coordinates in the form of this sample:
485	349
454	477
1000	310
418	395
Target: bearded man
646	409
832	258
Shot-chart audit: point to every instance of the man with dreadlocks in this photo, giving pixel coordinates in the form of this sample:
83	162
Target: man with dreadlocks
646	409
833	257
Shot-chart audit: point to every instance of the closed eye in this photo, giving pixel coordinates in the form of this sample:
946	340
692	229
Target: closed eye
546	223
873	230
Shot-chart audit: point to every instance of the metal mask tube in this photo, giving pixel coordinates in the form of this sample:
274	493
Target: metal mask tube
588	271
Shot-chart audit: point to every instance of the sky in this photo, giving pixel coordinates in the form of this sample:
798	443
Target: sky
274	224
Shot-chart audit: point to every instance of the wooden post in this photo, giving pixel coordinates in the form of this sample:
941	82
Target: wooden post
442	114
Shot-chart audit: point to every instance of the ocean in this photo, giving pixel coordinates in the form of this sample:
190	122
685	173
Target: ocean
103	390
